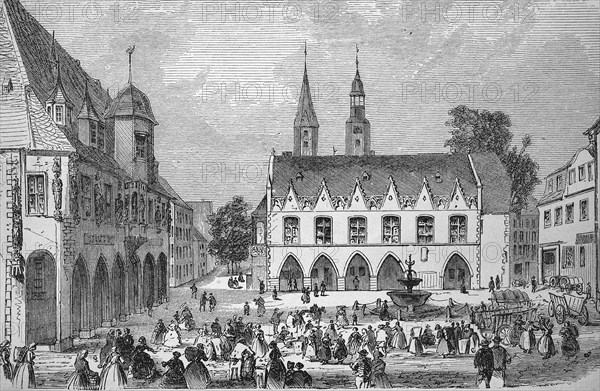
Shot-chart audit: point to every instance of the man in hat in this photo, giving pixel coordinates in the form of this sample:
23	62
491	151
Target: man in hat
203	300
212	302
194	290
501	358
362	370
484	362
491	284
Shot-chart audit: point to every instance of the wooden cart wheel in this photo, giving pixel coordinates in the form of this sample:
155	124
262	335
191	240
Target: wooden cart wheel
579	289
568	288
584	316
561	314
504	334
551	309
552	282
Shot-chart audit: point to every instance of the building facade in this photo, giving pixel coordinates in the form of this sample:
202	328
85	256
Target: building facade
566	222
352	221
592	134
524	241
85	224
203	209
200	248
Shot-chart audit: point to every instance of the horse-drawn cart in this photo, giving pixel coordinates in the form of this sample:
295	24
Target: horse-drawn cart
506	307
567	305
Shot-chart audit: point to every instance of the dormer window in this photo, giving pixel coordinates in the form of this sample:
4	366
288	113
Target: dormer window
58	114
101	138
140	147
49	110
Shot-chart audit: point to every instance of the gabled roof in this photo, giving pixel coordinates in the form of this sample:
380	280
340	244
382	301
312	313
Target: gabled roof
408	171
261	209
29	58
38	49
595	129
87	108
305	115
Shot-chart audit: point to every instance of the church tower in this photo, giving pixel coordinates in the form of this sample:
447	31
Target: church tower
358	128
306	126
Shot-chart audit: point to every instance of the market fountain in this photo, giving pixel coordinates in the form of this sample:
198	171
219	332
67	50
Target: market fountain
409	298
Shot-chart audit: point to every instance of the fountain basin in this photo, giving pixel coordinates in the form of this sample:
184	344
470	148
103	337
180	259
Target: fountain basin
406	299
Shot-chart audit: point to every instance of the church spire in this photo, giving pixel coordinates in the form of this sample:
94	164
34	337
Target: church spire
306	125
358	128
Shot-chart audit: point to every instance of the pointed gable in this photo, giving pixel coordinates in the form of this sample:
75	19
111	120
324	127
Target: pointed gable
390	201
425	199
357	200
457	199
291	200
324	199
305	115
87	108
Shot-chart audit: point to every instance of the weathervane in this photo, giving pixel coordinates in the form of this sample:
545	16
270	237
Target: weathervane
130	52
357	56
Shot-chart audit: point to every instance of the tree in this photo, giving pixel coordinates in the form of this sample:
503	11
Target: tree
483	131
231	229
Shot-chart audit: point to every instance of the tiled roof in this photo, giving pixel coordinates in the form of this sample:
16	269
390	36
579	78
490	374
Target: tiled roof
23	119
37	50
408	171
261	209
176	198
131	101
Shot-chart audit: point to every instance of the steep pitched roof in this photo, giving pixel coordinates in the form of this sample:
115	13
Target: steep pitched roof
261	209
196	234
305	115
38	49
24	122
439	169
176	198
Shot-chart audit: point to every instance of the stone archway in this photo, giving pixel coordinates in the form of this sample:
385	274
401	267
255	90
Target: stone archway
102	315
40	298
80	299
324	270
358	275
455	272
148	278
290	273
162	278
389	272
119	279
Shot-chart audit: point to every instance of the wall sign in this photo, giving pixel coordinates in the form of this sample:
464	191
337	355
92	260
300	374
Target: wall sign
97	239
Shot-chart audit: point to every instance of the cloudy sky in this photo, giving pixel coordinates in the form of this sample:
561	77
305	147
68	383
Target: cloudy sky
223	77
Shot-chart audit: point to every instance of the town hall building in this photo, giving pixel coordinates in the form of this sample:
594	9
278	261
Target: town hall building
351	221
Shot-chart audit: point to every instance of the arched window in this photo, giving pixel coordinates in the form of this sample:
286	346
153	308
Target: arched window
291	229
357	143
458	229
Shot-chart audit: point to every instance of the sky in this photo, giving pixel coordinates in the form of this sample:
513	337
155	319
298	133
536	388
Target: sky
223	76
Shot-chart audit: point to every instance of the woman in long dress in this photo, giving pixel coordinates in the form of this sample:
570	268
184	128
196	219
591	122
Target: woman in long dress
325	350
24	374
259	345
569	346
196	375
110	343
142	365
415	346
340	351
113	376
83	377
309	348
275	369
354	341
365	343
158	336
6	367
528	340
379	378
173	377
545	345
442	344
399	338
173	337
